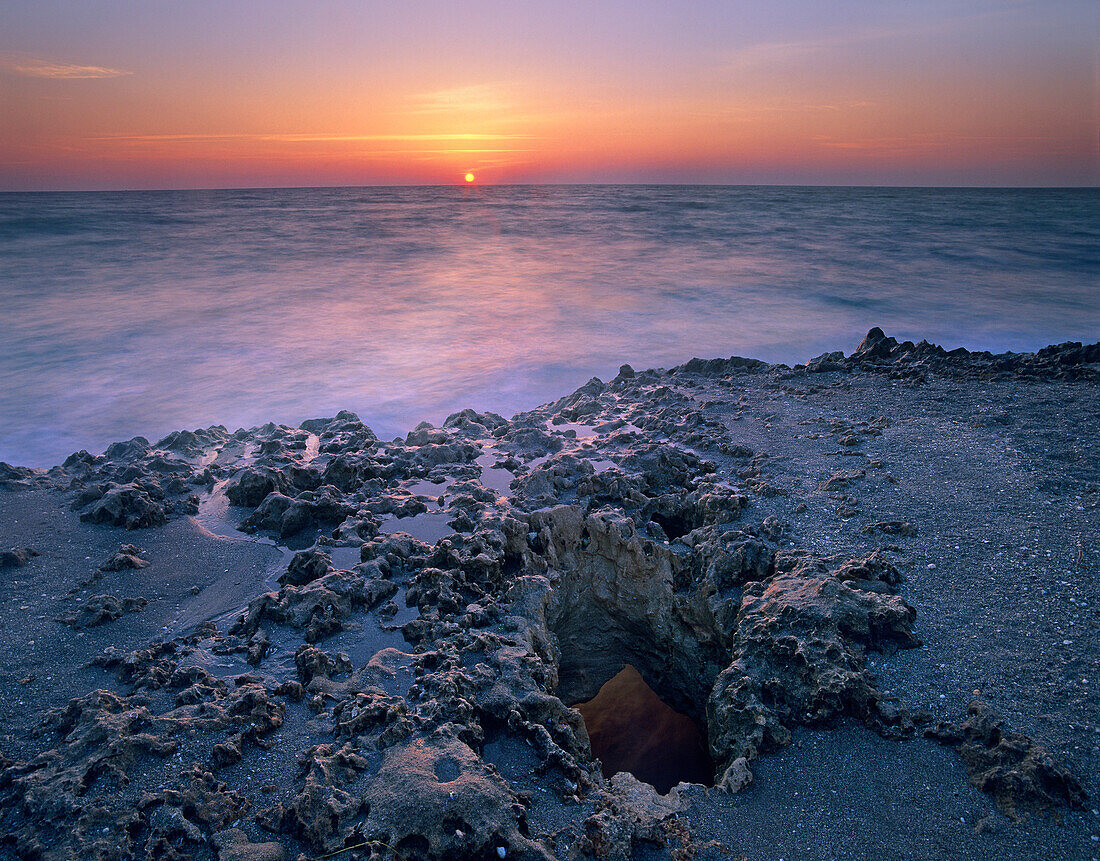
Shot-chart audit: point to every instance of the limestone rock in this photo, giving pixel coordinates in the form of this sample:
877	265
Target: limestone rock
17	557
736	777
1020	774
125	505
127	557
234	845
435	797
252	484
101	608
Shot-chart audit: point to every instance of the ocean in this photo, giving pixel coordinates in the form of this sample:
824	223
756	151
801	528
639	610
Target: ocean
138	313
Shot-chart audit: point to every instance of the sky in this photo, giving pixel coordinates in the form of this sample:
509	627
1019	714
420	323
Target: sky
260	93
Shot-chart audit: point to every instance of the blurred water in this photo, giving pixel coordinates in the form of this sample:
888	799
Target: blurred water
126	313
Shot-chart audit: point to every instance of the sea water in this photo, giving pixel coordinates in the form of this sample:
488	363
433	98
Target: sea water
126	313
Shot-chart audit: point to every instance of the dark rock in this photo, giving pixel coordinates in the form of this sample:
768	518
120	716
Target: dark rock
719	367
101	608
311	663
875	345
322	813
127	557
424	786
125	505
826	362
17	557
15	477
305	567
891	527
1017	772
228	752
252	484
233	845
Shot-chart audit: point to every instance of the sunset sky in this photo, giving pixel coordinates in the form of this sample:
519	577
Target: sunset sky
191	93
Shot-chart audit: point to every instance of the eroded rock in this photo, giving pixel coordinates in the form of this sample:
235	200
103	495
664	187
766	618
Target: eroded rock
435	798
1020	774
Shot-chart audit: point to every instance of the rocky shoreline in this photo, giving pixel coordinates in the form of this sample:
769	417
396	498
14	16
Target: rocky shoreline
308	642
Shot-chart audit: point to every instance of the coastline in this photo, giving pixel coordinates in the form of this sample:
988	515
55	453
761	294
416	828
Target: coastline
820	565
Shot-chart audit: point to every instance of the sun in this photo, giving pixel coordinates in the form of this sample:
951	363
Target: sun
470	177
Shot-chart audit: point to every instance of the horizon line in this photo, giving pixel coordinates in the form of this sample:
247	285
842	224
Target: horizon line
930	187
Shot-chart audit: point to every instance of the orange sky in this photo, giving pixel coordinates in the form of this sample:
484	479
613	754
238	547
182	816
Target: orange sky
276	93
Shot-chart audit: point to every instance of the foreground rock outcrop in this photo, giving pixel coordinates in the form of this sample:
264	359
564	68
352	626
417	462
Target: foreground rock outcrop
404	684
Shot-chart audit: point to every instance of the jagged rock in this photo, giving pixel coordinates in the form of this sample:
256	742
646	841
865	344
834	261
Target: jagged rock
825	363
319	606
311	663
228	752
127	557
798	657
151	667
435	797
425	434
322	814
234	845
125	505
101	738
17	557
206	801
305	567
252	484
101	608
1020	774
475	424
642	800
373	717
736	776
278	513
719	367
875	345
891	527
15	477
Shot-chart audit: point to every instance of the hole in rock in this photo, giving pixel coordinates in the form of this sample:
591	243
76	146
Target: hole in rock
447	770
674	526
632	729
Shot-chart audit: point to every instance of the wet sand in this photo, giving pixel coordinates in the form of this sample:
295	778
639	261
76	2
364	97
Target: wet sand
822	566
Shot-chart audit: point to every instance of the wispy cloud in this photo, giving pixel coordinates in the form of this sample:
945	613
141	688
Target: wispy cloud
760	110
35	67
486	98
777	53
309	138
767	54
929	141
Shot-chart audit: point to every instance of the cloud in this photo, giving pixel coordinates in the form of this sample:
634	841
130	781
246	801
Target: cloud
770	54
766	54
755	109
922	142
308	138
33	67
488	98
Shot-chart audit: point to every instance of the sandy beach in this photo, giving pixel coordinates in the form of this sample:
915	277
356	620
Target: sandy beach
865	589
